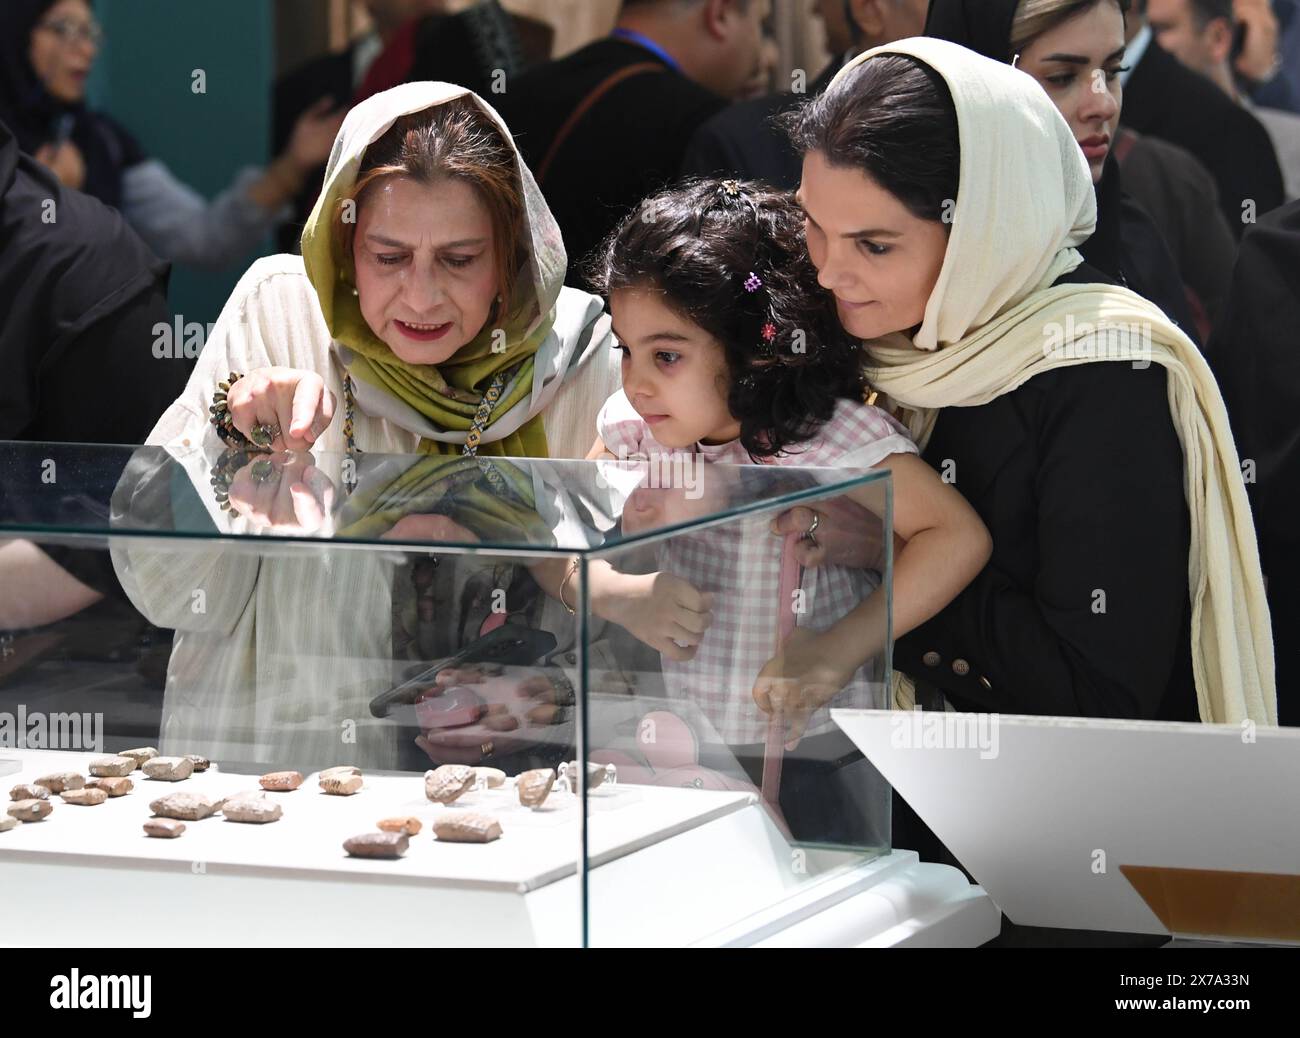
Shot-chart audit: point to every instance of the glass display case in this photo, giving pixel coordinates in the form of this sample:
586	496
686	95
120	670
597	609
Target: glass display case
578	702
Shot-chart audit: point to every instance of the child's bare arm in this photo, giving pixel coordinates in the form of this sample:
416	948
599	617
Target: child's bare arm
947	543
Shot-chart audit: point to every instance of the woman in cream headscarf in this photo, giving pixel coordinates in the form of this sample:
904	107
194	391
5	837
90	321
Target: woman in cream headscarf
945	198
429	307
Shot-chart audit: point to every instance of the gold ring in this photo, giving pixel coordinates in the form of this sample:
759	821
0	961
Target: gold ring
485	749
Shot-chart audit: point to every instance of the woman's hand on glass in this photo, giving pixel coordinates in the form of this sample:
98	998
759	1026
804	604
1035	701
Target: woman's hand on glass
283	409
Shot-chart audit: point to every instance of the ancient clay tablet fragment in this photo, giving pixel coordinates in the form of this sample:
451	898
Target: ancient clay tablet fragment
445	784
84	797
188	807
200	763
114	787
533	786
467	828
7	822
281	781
493	778
110	767
62	780
342	771
410	826
377	845
30	810
169	769
140	754
164	828
596	775
29	791
341	785
254	807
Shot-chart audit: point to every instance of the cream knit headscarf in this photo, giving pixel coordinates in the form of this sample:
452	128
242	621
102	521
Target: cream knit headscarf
993	322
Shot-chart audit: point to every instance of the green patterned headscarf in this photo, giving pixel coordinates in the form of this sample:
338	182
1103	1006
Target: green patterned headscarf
439	403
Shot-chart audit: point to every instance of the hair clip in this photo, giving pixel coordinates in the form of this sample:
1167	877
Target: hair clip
731	187
753	283
769	332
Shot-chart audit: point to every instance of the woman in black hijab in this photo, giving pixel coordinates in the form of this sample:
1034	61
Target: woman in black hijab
47	49
1126	246
44	118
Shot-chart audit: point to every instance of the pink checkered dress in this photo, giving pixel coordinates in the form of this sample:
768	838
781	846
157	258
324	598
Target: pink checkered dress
740	563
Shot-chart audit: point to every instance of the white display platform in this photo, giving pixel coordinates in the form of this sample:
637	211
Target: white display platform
1046	815
671	867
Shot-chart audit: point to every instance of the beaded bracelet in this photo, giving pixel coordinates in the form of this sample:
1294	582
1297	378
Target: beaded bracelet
261	436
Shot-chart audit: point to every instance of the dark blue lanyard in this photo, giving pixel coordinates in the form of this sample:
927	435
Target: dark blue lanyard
632	36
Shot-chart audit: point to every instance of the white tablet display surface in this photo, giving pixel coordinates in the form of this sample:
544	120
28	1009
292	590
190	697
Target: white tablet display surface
1045	811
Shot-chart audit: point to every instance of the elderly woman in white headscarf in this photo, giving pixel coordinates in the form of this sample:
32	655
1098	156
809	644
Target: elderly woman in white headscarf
945	198
427	315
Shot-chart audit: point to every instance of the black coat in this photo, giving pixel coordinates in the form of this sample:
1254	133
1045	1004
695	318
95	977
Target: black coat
1255	356
1083	609
1181	197
742	141
80	296
1166	99
1128	248
630	144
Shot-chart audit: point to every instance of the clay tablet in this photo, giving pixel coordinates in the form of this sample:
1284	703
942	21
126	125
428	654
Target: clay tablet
281	781
112	767
467	828
84	797
533	786
377	845
445	784
255	807
62	780
189	807
30	810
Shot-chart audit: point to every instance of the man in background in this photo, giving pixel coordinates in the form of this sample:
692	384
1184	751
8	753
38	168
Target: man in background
609	124
741	141
1201	34
1165	99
